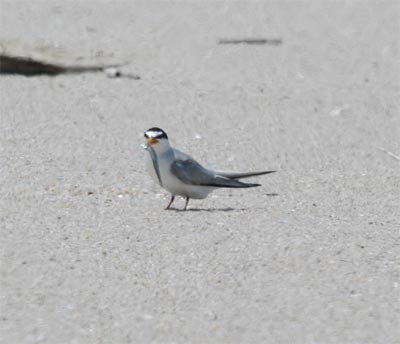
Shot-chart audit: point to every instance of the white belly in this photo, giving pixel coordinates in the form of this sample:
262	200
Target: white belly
173	184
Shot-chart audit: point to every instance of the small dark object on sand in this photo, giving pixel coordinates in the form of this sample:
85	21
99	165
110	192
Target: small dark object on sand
271	41
116	73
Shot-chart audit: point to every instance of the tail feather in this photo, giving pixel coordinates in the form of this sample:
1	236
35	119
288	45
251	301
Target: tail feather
238	175
224	182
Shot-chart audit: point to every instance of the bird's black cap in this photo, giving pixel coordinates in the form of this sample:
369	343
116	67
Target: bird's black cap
156	133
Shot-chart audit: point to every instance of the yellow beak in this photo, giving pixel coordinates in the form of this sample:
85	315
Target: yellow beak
152	141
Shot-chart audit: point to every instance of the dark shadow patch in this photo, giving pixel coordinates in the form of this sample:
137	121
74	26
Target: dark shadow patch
272	194
255	41
207	209
29	67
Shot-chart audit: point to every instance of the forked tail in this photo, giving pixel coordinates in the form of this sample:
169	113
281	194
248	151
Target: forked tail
224	182
238	175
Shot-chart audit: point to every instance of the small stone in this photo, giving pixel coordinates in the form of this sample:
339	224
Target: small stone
112	72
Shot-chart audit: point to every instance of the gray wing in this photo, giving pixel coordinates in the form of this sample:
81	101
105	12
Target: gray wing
191	172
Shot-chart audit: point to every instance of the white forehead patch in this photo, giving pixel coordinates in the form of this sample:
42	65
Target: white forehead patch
151	134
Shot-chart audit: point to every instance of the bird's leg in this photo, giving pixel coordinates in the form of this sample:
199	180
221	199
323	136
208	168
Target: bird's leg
187	201
170	202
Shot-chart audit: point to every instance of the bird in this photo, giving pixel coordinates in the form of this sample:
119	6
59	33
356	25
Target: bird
181	175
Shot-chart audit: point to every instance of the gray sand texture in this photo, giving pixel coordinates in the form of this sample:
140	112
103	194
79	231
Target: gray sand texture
88	255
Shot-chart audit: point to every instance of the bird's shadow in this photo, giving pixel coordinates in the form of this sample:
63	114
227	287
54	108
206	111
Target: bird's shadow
215	209
207	209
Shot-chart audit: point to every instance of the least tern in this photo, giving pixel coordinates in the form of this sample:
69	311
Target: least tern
181	175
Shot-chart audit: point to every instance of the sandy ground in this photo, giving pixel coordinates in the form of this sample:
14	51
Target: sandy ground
87	253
